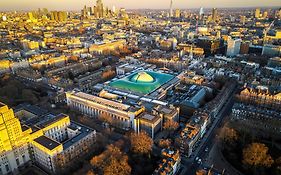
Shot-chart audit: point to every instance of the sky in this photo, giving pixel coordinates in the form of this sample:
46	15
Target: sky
7	5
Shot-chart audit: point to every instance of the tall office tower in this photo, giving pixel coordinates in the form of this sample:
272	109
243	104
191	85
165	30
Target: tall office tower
62	16
243	19
56	16
278	14
89	11
265	14
257	13
30	15
214	14
178	13
106	12
171	8
233	46
99	9
201	12
59	16
84	11
4	18
45	11
39	11
113	9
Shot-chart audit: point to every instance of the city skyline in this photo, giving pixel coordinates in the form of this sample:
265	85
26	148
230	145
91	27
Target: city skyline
128	4
130	87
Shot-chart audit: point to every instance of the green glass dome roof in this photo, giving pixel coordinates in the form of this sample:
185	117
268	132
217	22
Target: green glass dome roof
143	82
142	77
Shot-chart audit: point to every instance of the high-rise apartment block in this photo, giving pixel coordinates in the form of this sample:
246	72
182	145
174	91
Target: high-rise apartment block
233	46
214	14
257	13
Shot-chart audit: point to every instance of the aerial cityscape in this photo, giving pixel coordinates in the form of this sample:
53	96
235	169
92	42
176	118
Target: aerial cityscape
122	87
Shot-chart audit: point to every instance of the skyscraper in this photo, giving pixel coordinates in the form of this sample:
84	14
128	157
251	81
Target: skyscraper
257	13
233	46
243	19
178	13
171	8
99	13
59	16
279	13
214	14
201	12
114	9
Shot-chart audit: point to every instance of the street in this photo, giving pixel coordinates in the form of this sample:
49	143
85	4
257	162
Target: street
189	164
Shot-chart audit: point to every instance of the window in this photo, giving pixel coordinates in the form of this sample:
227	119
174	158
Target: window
18	162
7	167
23	158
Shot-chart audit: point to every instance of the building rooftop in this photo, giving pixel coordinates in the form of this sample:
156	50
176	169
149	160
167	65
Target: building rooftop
142	82
47	142
49	119
189	132
148	117
102	101
31	108
255	110
24	127
83	132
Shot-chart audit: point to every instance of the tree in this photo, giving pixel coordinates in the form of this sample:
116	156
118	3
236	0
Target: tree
141	143
118	167
107	119
90	172
202	172
28	95
71	76
112	161
278	166
164	143
256	154
278	161
170	126
5	77
228	135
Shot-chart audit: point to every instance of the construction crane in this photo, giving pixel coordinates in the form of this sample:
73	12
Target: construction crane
266	30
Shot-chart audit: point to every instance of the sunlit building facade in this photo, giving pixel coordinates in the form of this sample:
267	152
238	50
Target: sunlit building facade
45	141
125	116
95	106
13	141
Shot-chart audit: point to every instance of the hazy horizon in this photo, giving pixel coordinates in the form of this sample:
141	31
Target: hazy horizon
74	5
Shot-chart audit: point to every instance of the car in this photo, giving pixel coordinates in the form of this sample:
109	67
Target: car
207	149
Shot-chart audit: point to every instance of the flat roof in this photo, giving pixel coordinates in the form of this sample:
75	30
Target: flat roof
32	109
83	132
50	120
148	117
24	127
102	101
47	142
